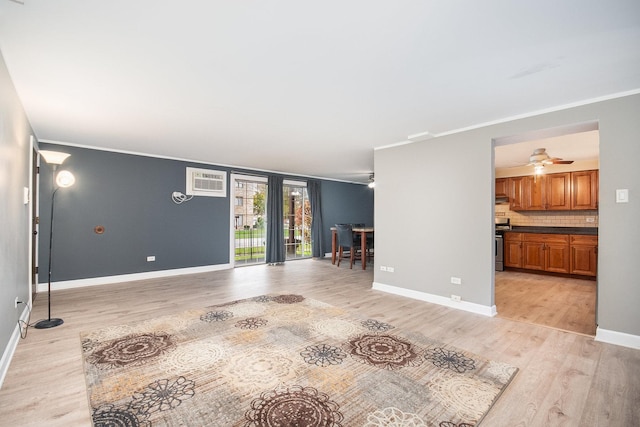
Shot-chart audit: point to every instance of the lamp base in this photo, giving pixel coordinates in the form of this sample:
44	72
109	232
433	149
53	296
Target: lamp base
48	323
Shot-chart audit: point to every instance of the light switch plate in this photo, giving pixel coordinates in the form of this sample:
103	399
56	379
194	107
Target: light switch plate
622	195
25	195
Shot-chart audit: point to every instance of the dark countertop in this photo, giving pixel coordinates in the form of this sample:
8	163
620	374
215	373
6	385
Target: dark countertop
590	231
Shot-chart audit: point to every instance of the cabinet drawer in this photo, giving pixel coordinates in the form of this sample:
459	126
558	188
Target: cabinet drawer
578	239
546	238
513	236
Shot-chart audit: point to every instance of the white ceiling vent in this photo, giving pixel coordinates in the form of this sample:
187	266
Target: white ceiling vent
205	182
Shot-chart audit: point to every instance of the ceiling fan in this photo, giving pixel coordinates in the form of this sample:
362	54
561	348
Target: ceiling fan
540	158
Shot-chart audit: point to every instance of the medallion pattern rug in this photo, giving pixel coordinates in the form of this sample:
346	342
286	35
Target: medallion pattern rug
283	360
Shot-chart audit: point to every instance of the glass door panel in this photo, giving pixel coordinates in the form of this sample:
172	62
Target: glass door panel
297	221
249	220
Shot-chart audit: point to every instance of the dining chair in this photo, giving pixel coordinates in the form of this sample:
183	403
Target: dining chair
347	242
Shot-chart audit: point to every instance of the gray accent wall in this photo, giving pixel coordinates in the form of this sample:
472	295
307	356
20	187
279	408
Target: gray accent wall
448	181
345	204
130	196
15	160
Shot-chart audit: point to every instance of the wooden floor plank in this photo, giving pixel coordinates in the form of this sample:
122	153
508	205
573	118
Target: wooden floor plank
565	379
558	302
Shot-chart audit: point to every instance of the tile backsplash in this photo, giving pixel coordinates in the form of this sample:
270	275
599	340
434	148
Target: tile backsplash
550	218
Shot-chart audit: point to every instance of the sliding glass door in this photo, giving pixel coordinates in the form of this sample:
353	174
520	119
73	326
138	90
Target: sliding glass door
249	220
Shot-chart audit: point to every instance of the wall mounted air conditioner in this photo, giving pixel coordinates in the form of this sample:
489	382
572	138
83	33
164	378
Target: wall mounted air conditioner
205	182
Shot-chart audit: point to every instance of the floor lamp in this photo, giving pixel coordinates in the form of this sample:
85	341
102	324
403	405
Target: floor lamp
62	179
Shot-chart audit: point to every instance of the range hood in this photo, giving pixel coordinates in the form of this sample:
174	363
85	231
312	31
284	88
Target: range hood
501	200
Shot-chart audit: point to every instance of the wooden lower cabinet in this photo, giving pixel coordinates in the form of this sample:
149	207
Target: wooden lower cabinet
533	255
584	255
557	253
546	252
513	250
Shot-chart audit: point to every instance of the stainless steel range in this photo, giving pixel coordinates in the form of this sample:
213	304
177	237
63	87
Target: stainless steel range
501	225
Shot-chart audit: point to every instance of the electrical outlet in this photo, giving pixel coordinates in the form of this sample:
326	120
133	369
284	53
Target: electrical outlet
390	269
151	258
591	219
456	280
455	298
383	268
15	303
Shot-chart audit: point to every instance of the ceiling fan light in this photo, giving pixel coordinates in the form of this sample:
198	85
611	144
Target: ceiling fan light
538	169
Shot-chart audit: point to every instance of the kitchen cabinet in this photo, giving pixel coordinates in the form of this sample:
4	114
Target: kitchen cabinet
584	255
501	187
533	197
555	191
541	252
558	191
546	252
513	250
547	192
584	193
515	187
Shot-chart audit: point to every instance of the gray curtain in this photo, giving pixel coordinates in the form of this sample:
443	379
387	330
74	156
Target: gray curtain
313	188
275	230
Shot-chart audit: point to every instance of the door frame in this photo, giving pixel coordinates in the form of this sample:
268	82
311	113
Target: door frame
34	228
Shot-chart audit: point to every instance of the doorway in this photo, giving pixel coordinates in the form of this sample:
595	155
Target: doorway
559	301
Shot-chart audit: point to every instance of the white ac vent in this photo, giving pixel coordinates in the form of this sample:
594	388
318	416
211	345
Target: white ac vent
205	182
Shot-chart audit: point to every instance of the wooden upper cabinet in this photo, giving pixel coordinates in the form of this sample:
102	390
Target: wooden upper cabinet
501	187
584	194
515	186
558	191
533	197
555	191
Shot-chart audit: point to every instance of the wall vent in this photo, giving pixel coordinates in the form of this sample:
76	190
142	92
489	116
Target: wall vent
205	182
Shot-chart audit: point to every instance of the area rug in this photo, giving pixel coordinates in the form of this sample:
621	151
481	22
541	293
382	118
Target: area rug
283	360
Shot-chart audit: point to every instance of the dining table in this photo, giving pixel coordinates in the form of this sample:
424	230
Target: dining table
362	231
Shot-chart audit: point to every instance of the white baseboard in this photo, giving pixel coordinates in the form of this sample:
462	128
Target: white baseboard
618	338
485	310
10	349
105	280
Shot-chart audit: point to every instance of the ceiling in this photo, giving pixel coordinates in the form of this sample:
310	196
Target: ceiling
579	146
305	88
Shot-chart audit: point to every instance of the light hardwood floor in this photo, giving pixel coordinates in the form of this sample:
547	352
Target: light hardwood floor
565	379
557	302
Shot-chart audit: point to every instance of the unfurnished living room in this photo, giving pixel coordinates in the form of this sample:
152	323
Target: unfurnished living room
222	213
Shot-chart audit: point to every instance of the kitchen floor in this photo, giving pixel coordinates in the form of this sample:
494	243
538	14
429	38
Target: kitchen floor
562	303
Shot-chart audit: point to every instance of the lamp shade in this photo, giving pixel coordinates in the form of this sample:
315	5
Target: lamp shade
65	179
54	157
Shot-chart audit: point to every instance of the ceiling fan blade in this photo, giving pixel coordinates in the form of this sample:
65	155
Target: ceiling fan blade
561	162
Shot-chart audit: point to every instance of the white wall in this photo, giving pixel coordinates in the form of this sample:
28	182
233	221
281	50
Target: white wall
449	180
